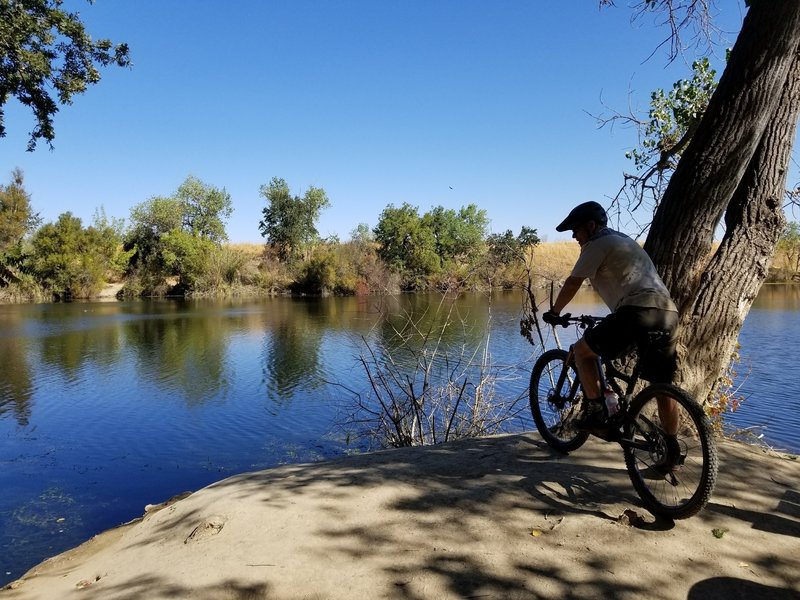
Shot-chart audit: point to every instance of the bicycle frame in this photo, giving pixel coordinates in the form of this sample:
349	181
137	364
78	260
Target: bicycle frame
610	376
624	425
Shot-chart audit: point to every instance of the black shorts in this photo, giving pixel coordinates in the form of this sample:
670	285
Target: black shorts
626	329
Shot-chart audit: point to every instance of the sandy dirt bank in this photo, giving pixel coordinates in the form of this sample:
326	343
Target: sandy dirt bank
501	517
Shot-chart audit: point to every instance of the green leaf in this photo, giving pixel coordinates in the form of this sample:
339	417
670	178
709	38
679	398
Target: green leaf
719	532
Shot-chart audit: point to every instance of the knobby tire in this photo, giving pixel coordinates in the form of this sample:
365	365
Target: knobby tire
684	491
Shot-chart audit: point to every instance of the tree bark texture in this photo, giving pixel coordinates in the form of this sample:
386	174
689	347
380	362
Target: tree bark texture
754	222
735	165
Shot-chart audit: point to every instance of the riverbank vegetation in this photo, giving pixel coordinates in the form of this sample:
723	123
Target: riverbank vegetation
177	246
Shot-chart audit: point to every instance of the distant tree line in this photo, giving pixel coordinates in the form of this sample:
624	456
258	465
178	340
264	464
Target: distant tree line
177	245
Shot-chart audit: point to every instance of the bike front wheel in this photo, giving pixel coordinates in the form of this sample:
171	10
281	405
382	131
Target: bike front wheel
673	475
555	400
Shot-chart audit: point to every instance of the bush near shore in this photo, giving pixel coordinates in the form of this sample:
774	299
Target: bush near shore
249	269
252	270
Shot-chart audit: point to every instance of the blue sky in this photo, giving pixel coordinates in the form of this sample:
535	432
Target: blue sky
431	102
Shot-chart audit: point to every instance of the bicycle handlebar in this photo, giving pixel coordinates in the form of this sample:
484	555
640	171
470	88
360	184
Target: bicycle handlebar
584	321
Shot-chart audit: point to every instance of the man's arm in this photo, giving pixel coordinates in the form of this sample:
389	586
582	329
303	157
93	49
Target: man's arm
567	293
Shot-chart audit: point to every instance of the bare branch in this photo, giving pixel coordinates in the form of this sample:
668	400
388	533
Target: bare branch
689	22
426	387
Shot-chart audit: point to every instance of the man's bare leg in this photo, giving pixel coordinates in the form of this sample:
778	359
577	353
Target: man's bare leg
586	365
669	414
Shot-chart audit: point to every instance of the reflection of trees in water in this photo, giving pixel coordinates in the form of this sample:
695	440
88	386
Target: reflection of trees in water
778	297
174	348
292	348
69	340
185	353
71	350
292	351
293	356
432	375
16	388
444	324
433	339
182	347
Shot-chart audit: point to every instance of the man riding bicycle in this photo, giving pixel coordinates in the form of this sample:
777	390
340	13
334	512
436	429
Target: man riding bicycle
623	275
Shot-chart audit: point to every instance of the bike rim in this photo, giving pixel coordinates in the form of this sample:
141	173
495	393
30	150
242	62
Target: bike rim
673	488
557	412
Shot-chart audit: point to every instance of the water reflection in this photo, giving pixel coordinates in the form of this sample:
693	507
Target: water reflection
778	297
184	353
71	349
190	392
440	325
16	387
291	354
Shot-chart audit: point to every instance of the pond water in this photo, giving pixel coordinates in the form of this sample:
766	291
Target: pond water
108	407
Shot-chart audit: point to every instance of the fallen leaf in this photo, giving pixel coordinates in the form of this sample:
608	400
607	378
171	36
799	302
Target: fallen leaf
719	532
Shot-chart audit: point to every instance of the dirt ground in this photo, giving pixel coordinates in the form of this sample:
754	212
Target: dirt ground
502	517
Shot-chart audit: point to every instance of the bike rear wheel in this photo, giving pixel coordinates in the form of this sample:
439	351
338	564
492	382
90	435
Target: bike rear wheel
673	480
554	409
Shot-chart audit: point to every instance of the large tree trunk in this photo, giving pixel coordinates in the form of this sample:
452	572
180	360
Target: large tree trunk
754	223
736	164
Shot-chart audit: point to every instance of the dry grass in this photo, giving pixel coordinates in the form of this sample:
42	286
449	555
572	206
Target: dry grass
249	249
785	264
553	261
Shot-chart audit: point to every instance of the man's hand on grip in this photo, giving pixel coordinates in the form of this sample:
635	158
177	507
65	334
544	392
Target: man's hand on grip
553	318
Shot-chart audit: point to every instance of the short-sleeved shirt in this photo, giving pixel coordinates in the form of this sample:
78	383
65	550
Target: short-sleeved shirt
621	272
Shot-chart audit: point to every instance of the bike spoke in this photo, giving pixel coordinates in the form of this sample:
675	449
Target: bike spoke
553	407
672	479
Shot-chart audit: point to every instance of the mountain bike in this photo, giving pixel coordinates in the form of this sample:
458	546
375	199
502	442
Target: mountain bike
673	480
